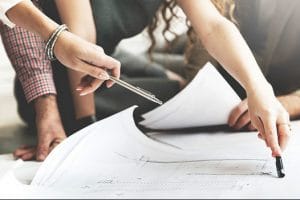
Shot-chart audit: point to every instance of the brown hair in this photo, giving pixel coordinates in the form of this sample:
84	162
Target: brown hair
168	12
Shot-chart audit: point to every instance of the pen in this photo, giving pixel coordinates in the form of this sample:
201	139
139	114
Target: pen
279	167
146	94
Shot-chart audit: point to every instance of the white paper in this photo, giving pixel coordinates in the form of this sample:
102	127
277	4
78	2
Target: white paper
113	159
207	100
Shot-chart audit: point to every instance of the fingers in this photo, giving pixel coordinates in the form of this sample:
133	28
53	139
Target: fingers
250	127
25	153
115	72
258	124
271	135
43	147
237	112
55	143
88	85
284	130
243	121
96	56
93	71
283	135
30	155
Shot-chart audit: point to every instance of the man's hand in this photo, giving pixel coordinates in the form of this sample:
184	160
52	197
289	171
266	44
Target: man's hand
49	128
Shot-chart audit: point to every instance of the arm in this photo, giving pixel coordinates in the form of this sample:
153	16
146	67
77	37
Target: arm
69	49
291	102
78	17
224	42
26	53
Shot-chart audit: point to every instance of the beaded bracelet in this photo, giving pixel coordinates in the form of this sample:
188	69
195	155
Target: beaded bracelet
49	48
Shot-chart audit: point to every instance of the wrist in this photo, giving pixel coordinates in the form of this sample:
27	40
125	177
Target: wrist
46	107
259	87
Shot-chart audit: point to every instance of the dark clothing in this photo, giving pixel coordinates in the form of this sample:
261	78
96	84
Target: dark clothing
115	20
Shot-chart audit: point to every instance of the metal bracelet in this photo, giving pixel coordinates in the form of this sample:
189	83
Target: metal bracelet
49	48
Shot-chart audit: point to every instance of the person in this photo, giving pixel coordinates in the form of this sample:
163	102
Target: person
69	49
217	34
48	104
272	33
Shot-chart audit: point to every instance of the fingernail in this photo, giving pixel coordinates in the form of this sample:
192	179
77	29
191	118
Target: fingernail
41	157
104	76
78	89
82	94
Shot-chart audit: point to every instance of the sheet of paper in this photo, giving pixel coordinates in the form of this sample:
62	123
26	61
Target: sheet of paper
207	100
113	159
24	171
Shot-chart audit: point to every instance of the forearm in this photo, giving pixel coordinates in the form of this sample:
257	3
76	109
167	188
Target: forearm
46	106
26	53
238	59
26	15
79	18
291	102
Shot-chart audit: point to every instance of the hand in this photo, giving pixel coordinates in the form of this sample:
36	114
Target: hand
239	118
269	117
88	58
49	128
89	84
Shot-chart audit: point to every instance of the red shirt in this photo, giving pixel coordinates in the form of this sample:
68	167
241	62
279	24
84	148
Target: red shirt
26	52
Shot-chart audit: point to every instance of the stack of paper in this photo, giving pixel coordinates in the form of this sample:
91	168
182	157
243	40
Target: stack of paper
207	100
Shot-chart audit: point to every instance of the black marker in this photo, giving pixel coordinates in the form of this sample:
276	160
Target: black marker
279	167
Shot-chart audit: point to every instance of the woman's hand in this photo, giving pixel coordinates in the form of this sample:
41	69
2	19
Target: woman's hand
269	117
86	57
239	118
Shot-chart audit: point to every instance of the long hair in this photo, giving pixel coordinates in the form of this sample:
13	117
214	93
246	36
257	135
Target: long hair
168	12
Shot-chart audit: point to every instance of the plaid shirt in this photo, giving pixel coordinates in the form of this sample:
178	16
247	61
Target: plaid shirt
27	55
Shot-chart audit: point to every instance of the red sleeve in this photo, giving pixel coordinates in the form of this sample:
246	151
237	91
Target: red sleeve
27	55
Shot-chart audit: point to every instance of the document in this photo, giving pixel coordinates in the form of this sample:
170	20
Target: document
207	100
113	158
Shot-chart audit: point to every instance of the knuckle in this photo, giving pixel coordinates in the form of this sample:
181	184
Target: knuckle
238	110
102	57
100	49
118	64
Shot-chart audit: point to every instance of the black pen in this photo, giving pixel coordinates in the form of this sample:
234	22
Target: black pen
279	167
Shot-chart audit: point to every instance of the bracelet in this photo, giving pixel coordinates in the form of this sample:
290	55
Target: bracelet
49	48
